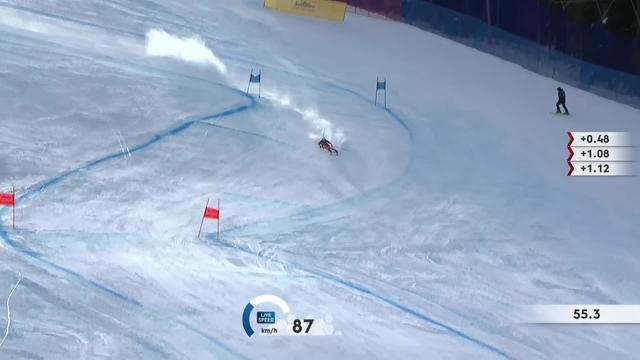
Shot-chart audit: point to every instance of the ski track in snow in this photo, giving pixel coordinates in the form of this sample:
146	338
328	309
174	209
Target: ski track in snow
372	294
6	332
40	187
244	132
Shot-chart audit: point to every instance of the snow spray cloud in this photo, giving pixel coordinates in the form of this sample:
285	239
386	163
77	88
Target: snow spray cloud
320	126
192	50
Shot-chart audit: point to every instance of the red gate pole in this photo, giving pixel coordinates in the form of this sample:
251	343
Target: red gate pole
218	219
14	207
202	221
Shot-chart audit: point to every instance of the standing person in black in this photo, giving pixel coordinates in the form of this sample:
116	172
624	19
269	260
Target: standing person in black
561	101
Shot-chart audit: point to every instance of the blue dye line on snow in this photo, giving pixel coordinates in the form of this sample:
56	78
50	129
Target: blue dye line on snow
38	188
335	279
211	338
354	286
32	254
350	200
317	273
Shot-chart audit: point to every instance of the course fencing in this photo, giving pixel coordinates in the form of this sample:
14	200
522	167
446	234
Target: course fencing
389	9
531	34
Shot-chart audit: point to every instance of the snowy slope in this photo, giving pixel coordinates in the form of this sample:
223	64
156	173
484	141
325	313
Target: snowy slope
440	218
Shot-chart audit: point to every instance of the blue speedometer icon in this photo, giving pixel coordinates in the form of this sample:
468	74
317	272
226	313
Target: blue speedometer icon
262	299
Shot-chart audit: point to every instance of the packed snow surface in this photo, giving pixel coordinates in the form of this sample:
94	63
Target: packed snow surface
443	215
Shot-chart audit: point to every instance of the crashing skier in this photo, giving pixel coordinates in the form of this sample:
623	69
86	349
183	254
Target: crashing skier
327	145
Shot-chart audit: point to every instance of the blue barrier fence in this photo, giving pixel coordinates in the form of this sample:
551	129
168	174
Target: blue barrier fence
613	84
539	21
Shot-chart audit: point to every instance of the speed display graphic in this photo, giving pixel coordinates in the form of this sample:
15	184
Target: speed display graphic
273	317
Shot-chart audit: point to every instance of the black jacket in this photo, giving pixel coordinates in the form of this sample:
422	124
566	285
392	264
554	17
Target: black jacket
561	95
